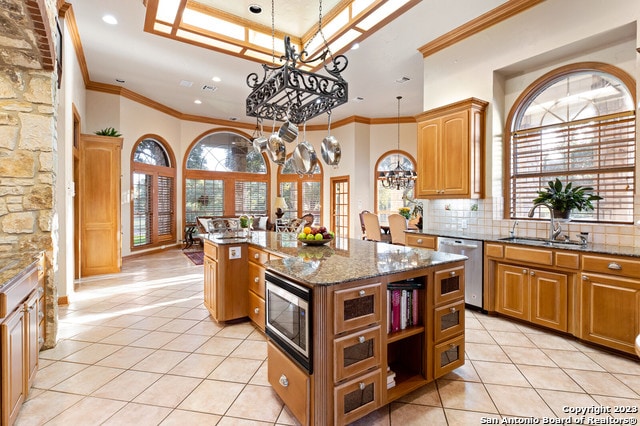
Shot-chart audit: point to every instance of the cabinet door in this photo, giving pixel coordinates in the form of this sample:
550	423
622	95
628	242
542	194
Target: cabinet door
357	307
13	345
356	353
257	310
210	286
32	321
448	356
358	397
256	279
610	311
549	303
428	166
421	240
448	321
449	284
290	383
512	291
454	154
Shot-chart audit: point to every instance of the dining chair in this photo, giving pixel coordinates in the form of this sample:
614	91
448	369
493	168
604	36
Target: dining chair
364	234
397	226
371	226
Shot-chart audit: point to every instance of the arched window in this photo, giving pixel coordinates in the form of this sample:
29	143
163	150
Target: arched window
153	176
577	124
389	200
225	176
303	193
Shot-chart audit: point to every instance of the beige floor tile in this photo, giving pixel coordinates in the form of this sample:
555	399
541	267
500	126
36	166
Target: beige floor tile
484	352
478	336
186	342
238	331
500	373
380	417
178	325
47	405
516	401
55	373
127	386
138	414
197	314
550	341
168	391
465	396
560	402
155	339
473	324
426	395
257	335
88	380
497	324
245	404
171	312
601	383
207	327
616	364
631	380
418	415
96	333
124	320
509	338
527	356
236	370
466	373
89	411
466	418
197	365
190	418
549	378
572	359
260	377
126	357
234	421
631	404
251	349
221	346
150	323
125	336
160	361
92	353
63	348
212	396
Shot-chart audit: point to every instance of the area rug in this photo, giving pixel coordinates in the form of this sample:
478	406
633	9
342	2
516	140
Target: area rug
197	257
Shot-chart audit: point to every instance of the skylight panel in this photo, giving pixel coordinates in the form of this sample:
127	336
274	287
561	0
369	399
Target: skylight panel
381	13
167	10
211	23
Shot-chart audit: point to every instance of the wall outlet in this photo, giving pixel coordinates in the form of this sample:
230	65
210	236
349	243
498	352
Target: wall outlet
464	224
235	253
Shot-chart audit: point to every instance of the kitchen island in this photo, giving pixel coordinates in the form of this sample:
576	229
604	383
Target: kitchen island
383	320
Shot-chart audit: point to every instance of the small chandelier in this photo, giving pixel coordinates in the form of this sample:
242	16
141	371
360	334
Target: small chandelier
286	93
398	178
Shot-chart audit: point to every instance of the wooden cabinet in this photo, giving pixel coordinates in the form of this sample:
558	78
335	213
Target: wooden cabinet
99	200
291	384
20	339
610	288
225	280
421	240
451	143
448	319
256	269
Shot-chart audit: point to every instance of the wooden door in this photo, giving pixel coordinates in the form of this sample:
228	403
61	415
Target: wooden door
340	199
549	303
512	291
100	205
454	154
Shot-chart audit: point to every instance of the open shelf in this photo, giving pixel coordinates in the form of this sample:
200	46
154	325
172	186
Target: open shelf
403	334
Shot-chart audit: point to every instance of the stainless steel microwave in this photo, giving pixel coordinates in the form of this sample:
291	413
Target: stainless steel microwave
288	318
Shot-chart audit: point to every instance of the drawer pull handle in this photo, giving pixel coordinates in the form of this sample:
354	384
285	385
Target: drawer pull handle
532	273
585	278
361	386
256	311
256	280
419	241
284	381
361	293
451	346
614	266
453	310
361	339
524	271
256	256
452	273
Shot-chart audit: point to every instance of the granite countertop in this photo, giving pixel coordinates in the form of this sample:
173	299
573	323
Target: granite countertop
12	267
343	259
589	248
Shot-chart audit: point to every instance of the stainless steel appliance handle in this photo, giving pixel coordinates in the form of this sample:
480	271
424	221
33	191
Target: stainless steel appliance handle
457	244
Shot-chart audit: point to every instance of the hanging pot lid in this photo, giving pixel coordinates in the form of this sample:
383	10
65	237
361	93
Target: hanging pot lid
304	159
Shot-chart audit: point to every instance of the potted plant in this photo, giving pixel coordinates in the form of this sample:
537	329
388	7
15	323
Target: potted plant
405	212
108	131
564	199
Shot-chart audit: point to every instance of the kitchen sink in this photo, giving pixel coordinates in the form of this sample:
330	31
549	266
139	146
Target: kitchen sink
543	242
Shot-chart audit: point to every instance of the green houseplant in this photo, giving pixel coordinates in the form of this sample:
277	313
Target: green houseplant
563	199
108	131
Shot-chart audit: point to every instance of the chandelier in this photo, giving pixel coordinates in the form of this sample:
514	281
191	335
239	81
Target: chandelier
287	93
398	178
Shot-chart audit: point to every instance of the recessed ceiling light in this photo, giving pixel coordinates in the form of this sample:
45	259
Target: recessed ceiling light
233	118
355	46
217	79
110	19
403	80
119	80
255	8
197	102
186	83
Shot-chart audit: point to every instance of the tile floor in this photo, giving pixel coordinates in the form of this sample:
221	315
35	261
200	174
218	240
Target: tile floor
139	348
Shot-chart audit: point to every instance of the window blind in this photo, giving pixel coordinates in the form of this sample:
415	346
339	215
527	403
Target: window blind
142	208
250	198
166	212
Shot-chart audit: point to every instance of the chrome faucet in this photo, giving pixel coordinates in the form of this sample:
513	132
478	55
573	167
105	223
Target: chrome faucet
554	227
513	229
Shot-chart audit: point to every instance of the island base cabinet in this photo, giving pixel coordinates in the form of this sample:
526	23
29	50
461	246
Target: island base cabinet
358	397
610	311
291	384
13	371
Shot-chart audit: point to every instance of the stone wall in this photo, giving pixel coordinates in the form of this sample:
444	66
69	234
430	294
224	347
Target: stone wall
28	103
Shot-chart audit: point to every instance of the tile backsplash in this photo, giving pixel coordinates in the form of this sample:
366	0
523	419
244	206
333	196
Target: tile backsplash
486	217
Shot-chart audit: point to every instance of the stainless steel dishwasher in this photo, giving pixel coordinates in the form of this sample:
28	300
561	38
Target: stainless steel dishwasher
472	267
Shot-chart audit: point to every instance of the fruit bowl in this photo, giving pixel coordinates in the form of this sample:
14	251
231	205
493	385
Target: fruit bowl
314	242
309	236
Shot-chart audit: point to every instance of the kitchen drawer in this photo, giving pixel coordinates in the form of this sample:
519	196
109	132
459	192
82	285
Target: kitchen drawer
356	353
256	279
257	310
494	250
18	291
357	307
211	250
567	259
448	321
529	255
449	284
619	266
424	241
448	356
258	256
358	397
290	383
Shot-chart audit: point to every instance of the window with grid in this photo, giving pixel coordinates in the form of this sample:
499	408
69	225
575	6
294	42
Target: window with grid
303	193
389	200
225	176
578	127
153	194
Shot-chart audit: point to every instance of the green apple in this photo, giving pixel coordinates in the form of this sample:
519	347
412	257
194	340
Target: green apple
319	237
311	237
302	236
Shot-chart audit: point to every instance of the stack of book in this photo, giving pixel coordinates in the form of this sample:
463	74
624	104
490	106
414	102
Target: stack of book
402	304
391	378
